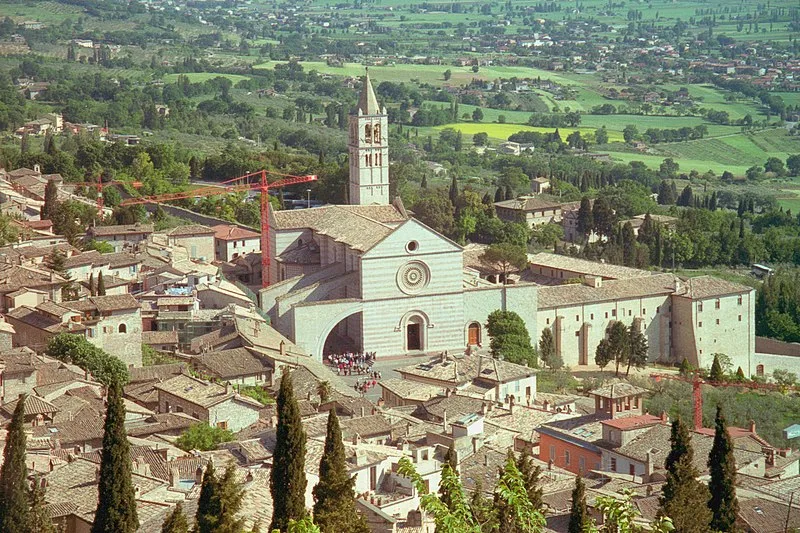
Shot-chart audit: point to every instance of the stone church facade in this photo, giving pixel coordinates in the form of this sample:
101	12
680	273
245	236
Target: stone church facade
367	276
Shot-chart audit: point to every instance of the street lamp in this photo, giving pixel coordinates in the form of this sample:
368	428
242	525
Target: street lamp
308	196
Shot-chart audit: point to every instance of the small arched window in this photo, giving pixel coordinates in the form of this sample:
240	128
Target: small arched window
123	328
376	134
368	132
760	370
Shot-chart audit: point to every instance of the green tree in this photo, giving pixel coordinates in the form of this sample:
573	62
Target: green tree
585	219
435	210
101	284
39	517
203	437
529	472
334	496
480	139
603	354
547	350
477	114
75	349
208	504
50	199
618	343
509	338
684	498
447	74
636	347
507	256
230	503
523	515
630	133
92	287
716	375
14	510
116	506
579	518
603	217
176	521
451	462
288	480
722	467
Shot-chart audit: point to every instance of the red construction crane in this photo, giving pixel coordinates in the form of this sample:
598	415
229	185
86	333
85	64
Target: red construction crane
99	185
242	183
697	392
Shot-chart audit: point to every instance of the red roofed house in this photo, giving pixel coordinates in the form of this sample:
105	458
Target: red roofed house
231	242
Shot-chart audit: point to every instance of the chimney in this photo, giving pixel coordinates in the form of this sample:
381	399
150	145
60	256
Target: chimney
198	475
356	439
484	408
475	445
174	478
752	426
512	404
444	420
664	417
649	464
485	459
283	348
227	387
447	392
362	411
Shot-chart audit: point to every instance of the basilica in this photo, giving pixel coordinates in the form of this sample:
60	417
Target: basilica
368	276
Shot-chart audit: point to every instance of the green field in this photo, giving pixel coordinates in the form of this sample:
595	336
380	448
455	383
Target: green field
197	77
433	74
503	131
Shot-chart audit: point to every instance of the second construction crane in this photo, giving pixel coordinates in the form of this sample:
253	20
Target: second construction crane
248	182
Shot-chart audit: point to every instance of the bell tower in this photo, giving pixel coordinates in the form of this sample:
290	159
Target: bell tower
369	150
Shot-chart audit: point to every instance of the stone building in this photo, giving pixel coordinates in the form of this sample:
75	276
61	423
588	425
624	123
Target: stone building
369	150
196	239
529	209
121	237
230	242
214	404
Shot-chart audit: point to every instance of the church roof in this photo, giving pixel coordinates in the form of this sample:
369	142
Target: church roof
367	102
359	226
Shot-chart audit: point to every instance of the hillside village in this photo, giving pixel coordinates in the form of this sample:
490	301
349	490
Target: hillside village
177	308
386	267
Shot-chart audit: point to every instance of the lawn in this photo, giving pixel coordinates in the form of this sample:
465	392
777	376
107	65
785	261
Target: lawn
503	131
433	74
197	77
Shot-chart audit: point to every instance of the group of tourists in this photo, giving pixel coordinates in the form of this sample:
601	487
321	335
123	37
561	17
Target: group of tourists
352	363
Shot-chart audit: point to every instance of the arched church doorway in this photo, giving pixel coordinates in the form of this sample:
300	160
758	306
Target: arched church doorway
415	334
474	334
345	336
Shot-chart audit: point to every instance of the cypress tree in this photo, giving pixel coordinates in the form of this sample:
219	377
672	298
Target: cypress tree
578	514
50	199
451	462
101	285
334	496
288	480
716	375
40	521
230	502
176	521
208	504
530	476
479	505
453	189
722	467
92	289
684	498
116	506
14	513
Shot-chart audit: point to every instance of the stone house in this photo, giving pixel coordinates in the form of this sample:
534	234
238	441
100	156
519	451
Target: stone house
540	185
476	376
231	242
214	404
18	281
161	341
121	237
196	239
237	366
529	209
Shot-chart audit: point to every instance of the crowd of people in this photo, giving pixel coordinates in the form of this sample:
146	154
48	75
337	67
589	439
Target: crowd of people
351	363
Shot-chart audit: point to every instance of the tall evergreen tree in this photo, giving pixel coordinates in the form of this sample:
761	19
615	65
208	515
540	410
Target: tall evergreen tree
453	189
14	511
579	514
116	506
208	504
288	480
716	375
722	467
101	285
547	350
684	498
50	199
176	521
451	462
530	476
92	288
585	220
230	494
39	519
334	496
